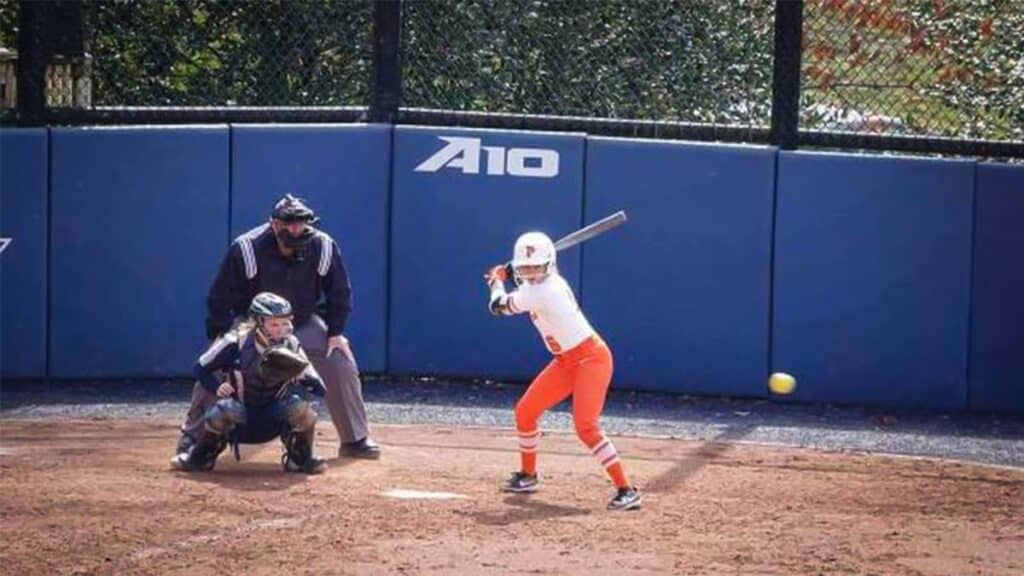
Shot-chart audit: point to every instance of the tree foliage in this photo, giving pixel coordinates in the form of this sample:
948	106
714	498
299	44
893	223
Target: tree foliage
941	67
650	59
217	53
9	24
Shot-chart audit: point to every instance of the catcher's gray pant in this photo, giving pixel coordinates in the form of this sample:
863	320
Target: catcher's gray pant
340	376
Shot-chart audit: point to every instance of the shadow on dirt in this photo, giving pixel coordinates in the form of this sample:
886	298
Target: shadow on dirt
711	450
524	508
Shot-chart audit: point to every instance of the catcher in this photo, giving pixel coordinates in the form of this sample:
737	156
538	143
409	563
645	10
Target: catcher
266	394
582	365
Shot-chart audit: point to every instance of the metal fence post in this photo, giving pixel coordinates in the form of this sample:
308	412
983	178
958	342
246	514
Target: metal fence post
789	15
46	29
386	90
31	87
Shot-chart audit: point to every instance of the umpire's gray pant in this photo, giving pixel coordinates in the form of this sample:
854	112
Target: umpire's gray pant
340	376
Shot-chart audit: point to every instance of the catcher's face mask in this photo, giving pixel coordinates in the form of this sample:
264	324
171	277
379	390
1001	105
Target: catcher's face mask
275	330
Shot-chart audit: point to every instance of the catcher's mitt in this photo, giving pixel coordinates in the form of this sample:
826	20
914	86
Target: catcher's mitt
280	364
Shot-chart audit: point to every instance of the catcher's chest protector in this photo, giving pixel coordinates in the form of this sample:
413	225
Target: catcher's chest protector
258	391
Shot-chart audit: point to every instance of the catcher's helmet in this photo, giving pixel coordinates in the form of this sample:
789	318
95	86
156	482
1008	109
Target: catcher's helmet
269	305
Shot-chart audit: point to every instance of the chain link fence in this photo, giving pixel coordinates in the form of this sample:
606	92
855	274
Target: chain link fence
918	67
631	59
9	14
921	68
230	53
209	53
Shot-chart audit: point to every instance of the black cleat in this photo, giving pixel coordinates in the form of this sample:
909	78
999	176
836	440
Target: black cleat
520	483
298	455
626	499
365	448
200	457
312	465
185	463
184	444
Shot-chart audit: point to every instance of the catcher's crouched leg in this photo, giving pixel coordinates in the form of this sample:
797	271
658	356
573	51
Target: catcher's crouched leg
221	418
192	427
297	436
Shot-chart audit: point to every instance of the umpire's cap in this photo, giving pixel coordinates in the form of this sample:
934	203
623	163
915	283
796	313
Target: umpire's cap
292	209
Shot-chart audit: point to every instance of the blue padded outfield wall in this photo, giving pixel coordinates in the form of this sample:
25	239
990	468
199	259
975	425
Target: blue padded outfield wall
23	198
997	344
454	217
344	173
139	221
872	278
888	281
681	293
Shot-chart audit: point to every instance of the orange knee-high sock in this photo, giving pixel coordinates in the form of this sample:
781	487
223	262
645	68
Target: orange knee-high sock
618	475
608	456
550	387
528	442
592	376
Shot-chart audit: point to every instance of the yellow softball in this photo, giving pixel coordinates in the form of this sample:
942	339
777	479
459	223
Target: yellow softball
781	383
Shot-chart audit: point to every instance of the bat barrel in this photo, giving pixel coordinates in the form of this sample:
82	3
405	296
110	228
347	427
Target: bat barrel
591	230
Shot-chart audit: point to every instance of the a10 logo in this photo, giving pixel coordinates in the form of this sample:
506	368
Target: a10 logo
464	154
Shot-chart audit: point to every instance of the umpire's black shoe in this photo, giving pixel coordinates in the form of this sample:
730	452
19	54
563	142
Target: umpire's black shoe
626	499
365	448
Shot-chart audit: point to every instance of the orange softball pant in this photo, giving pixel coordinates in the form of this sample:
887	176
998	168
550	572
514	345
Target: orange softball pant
585	372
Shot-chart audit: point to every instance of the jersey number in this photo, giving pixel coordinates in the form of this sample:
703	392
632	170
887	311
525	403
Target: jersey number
553	345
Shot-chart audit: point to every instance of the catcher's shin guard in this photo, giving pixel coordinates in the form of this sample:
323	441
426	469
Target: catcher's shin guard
201	457
299	414
184	444
298	454
225	415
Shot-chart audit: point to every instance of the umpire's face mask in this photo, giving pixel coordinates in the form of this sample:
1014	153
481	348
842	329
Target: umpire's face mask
294	236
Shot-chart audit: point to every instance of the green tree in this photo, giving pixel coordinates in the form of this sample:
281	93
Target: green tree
9	24
698	61
928	67
937	67
217	53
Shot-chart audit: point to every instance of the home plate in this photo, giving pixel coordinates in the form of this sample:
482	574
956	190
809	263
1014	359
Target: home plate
422	495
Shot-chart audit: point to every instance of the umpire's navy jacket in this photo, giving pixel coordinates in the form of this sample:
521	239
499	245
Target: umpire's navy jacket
255	264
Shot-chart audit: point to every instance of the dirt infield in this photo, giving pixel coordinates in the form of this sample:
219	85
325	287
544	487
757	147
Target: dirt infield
96	497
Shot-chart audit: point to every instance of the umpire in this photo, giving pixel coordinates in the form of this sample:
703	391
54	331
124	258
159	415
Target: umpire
289	257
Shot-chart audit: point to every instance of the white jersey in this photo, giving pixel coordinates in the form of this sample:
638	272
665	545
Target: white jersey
554	311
